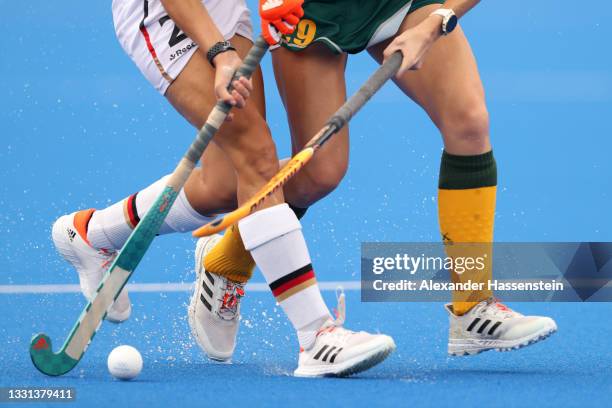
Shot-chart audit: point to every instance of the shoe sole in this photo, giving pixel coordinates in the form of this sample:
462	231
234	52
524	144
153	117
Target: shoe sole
471	348
353	366
202	342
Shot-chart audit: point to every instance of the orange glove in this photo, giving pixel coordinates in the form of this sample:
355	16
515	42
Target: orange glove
279	17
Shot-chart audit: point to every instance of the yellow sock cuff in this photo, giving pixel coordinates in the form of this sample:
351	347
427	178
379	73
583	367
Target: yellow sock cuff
229	258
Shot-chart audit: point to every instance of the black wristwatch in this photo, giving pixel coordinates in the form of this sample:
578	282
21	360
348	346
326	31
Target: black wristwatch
218	48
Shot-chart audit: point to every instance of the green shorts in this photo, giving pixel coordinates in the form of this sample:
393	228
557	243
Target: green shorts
350	25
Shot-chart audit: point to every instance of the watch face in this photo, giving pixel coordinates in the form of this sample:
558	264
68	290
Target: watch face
451	24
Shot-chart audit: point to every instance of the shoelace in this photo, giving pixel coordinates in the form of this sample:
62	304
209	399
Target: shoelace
230	300
340	310
499	308
340	313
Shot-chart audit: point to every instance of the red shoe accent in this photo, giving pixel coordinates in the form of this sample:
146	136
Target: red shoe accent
500	305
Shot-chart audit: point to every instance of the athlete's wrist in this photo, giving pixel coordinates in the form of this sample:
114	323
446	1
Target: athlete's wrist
219	49
431	27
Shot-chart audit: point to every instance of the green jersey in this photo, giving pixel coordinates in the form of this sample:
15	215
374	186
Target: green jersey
350	25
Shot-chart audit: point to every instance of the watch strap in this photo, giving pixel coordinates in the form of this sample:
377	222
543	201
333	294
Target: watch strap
218	48
442	12
447	15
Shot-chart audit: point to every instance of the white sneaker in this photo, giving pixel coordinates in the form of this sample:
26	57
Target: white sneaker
490	325
338	352
91	264
214	310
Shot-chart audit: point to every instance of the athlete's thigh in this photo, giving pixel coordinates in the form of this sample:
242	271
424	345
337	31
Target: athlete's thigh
176	67
192	95
449	79
312	86
192	92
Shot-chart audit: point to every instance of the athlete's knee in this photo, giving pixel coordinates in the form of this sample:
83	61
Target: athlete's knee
253	153
467	126
247	142
259	160
216	188
319	178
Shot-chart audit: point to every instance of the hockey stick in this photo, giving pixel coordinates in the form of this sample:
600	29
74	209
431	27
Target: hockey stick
333	125
41	352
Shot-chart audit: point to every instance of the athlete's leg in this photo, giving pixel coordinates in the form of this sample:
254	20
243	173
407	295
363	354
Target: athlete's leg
312	87
317	72
273	233
320	73
448	87
246	140
210	189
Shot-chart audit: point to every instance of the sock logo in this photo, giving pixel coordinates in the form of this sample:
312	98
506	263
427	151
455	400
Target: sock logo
71	234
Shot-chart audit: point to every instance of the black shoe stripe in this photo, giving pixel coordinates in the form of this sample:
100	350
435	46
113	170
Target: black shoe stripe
495	326
316	357
333	358
203	299
484	326
474	323
328	353
209	276
207	289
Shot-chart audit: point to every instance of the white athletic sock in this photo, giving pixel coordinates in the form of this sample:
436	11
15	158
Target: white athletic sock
274	238
110	228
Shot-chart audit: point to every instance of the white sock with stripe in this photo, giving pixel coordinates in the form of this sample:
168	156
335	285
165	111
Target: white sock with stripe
110	228
274	238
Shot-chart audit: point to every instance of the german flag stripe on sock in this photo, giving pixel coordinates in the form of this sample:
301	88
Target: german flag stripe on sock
130	212
293	283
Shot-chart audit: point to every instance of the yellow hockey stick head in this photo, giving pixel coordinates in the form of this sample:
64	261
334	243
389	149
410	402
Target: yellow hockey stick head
278	181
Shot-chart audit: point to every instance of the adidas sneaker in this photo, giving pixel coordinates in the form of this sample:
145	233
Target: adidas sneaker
338	352
490	325
214	310
91	264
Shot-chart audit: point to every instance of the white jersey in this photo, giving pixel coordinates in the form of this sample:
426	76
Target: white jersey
158	47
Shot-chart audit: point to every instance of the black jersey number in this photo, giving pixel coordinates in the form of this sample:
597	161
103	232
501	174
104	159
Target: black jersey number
177	35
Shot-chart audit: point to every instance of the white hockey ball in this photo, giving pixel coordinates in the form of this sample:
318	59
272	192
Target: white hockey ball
124	362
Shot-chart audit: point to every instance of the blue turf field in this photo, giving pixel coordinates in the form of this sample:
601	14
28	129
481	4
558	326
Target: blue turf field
82	128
